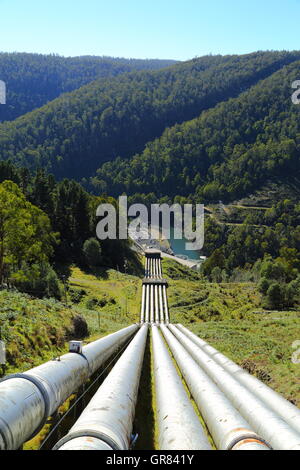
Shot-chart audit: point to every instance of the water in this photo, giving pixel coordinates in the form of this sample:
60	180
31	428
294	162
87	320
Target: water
178	246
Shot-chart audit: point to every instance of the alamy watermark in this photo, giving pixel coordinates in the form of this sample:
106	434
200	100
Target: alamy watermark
136	221
2	92
296	94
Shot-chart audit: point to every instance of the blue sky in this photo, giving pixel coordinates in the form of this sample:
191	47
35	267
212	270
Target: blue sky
170	29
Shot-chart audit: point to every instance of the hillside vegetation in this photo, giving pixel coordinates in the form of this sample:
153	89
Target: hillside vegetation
219	130
226	153
74	134
33	80
36	330
232	318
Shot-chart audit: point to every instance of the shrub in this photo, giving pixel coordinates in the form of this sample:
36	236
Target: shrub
79	327
263	285
92	252
91	303
76	295
275	296
39	280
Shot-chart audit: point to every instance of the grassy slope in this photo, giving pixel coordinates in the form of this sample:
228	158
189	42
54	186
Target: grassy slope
36	330
119	292
230	318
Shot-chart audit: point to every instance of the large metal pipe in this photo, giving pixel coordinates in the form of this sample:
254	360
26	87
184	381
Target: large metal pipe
159	268
264	421
106	423
152	303
143	304
161	304
178	425
147	312
28	399
289	412
156	305
167	320
229	430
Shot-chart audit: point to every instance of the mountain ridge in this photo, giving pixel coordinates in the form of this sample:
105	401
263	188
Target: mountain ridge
74	134
32	80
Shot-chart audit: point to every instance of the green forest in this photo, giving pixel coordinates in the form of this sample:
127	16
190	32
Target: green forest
226	153
218	130
34	79
45	226
116	117
210	129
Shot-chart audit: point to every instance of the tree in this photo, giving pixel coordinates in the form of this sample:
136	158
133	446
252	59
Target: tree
275	296
25	234
39	280
216	274
217	259
92	252
264	285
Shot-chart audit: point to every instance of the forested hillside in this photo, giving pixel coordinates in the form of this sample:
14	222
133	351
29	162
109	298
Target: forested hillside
34	79
224	154
46	225
210	130
74	134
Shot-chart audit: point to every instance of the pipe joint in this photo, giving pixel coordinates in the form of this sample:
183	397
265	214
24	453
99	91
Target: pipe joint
87	433
42	389
250	437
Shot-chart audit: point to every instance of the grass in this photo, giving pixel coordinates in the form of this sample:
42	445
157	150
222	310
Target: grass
34	330
116	298
231	318
262	344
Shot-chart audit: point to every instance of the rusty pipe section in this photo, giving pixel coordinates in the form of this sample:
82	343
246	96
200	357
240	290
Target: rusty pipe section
28	399
289	412
263	420
229	430
178	424
106	423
